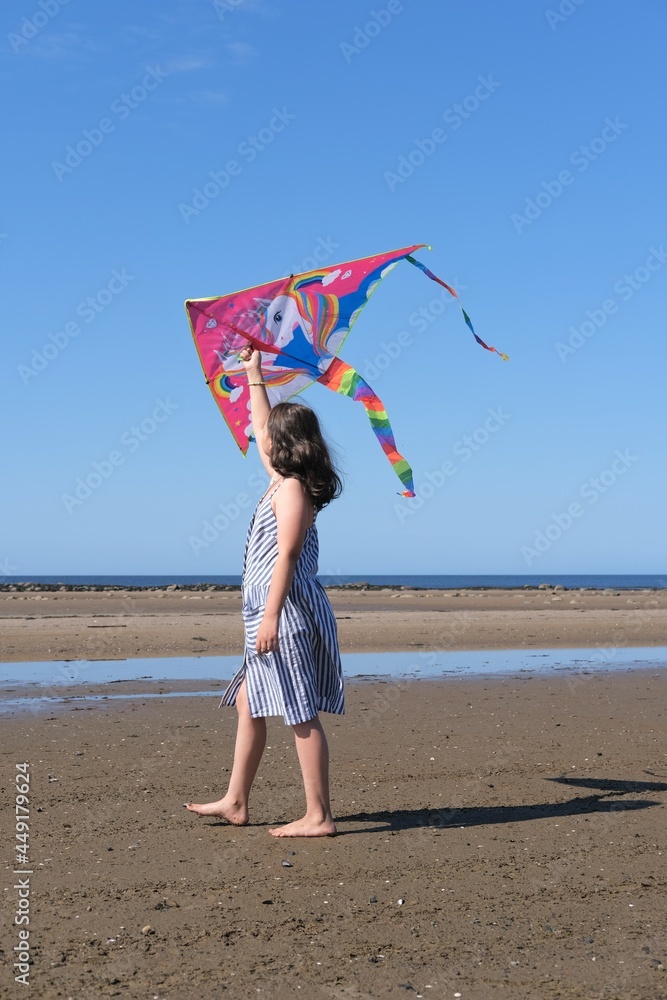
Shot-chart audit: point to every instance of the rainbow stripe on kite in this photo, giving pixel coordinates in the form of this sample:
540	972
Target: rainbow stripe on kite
342	378
299	324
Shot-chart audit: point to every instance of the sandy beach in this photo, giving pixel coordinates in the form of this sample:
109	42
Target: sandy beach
112	624
498	837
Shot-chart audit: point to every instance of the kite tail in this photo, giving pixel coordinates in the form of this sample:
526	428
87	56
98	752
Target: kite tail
433	277
341	377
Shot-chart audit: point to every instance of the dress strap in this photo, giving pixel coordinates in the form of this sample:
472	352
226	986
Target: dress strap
271	490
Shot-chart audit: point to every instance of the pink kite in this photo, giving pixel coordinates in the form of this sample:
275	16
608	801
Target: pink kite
299	324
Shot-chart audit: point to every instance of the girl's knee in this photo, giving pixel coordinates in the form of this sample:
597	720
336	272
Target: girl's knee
305	728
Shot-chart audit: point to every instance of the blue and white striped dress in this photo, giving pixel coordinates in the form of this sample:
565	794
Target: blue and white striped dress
305	675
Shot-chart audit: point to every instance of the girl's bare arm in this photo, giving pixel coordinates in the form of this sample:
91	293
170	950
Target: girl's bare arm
294	514
259	402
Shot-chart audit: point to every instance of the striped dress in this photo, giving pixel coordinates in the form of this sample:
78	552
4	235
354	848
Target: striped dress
305	675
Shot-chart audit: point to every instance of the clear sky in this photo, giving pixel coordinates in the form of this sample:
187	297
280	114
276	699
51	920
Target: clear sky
525	142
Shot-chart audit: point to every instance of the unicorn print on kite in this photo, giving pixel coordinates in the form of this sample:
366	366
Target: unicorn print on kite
299	325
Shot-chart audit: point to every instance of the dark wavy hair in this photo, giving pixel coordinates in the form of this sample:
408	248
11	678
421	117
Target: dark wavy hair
299	450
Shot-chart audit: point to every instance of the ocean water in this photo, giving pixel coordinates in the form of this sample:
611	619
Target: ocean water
423	582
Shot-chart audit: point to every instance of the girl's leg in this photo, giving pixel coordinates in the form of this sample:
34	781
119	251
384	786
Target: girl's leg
313	752
250	743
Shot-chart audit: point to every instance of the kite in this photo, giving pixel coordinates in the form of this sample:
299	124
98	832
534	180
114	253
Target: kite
299	325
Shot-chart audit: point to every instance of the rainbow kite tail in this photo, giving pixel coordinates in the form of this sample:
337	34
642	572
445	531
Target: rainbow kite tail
341	377
433	277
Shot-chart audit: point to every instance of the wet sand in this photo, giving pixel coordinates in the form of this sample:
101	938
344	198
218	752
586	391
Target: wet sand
520	820
497	838
107	624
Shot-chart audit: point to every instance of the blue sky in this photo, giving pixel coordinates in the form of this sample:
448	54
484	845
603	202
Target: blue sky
524	142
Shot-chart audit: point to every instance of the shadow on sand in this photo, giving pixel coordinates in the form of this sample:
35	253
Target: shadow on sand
606	801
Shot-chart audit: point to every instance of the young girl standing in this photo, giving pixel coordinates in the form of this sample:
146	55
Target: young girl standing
291	665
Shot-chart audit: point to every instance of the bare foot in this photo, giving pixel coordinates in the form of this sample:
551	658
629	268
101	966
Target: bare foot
306	828
232	811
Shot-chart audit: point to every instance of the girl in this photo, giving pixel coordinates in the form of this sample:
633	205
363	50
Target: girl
291	665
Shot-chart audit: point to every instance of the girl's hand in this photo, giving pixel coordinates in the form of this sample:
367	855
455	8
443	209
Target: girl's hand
267	635
251	360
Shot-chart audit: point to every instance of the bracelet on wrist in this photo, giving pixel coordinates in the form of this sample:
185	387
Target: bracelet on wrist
256	383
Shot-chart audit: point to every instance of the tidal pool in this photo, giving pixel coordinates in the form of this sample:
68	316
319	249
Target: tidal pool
43	683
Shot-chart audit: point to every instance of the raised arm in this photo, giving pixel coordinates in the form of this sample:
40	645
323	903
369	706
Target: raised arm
259	402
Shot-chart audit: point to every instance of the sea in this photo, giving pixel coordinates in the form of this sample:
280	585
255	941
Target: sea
417	581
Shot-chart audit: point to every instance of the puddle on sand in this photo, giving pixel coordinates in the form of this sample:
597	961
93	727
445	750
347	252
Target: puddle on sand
55	682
